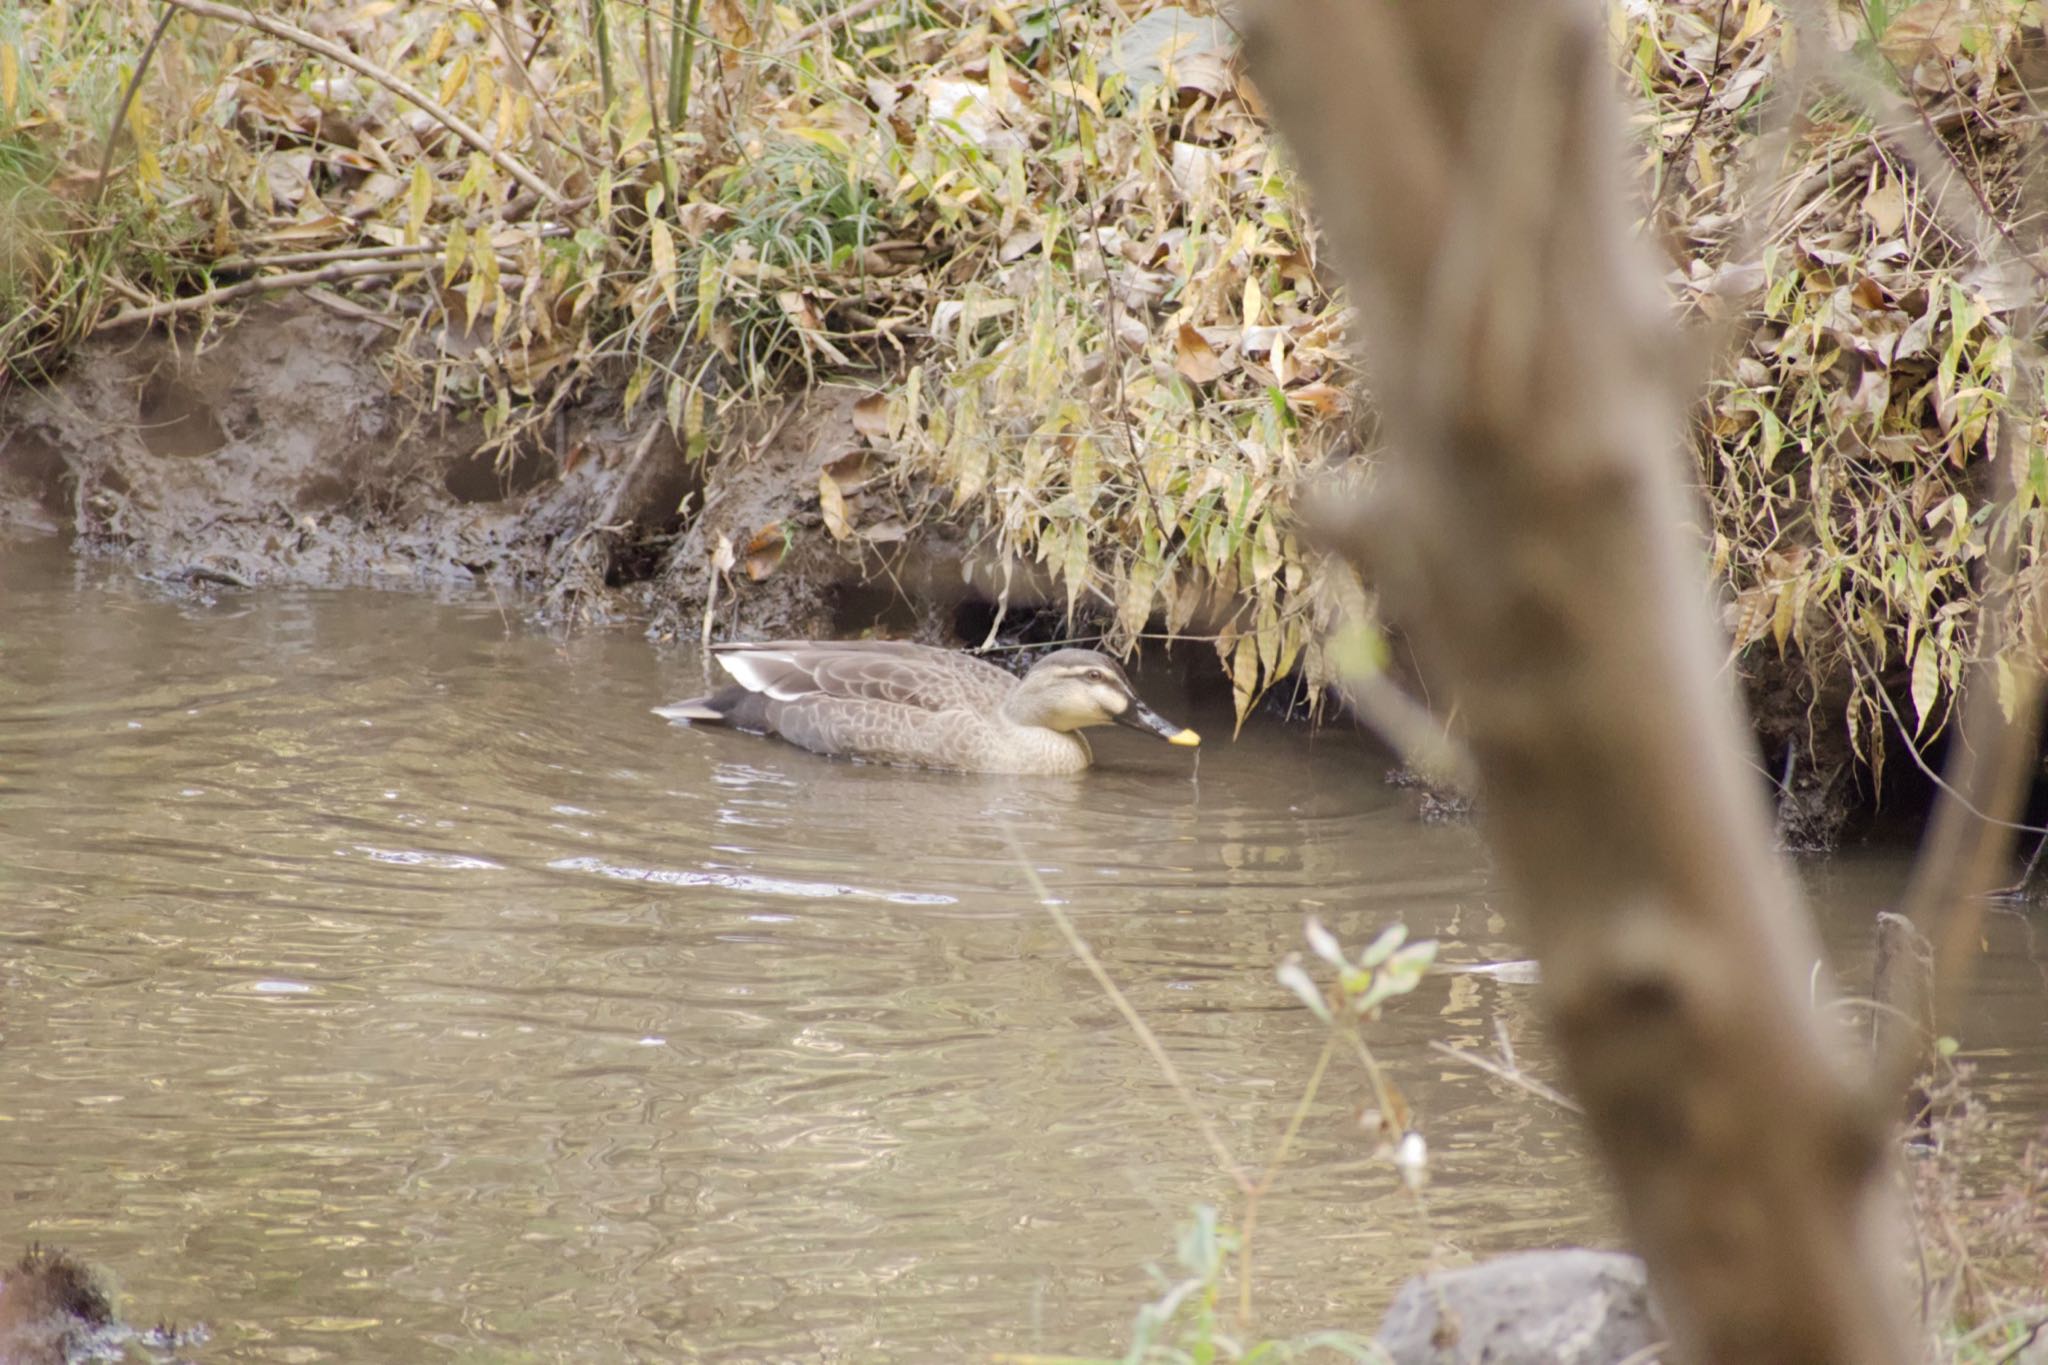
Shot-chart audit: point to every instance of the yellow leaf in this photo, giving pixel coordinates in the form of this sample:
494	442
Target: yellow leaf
421	200
707	296
826	138
1077	90
1760	13
1254	301
1134	603
1265	553
1077	567
2008	690
833	504
1268	637
455	251
1781	617
10	77
999	95
1926	683
636	385
1244	676
693	422
437	46
457	76
662	248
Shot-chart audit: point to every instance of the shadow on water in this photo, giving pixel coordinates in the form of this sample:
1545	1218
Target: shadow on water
383	979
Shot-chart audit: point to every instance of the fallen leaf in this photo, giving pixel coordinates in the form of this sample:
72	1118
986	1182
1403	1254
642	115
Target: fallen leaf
1196	359
871	416
1930	28
832	503
1324	398
852	472
766	550
1886	207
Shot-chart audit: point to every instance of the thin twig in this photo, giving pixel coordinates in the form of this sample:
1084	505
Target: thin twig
301	279
1272	1173
1676	160
656	124
1131	1016
397	85
163	22
1511	1075
860	9
1947	788
353	253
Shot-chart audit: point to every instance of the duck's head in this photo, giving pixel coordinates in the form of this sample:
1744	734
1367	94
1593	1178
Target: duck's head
1075	688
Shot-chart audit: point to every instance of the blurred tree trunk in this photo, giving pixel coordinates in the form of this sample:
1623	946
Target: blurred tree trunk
1466	163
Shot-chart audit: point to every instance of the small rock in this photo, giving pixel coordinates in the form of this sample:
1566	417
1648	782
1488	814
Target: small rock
1569	1307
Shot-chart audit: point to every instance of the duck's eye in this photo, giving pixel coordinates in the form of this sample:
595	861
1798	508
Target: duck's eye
1097	675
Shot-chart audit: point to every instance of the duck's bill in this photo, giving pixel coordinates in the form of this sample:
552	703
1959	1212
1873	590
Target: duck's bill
1142	717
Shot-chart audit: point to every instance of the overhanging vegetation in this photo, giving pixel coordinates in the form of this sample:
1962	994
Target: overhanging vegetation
1060	242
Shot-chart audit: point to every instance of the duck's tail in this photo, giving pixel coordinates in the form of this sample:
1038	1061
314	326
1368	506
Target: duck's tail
696	708
734	706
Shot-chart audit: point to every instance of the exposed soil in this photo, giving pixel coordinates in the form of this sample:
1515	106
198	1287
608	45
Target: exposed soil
279	452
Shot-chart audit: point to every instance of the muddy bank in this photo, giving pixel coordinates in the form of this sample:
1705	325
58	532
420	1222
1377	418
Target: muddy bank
283	450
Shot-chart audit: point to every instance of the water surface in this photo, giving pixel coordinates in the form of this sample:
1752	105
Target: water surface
382	982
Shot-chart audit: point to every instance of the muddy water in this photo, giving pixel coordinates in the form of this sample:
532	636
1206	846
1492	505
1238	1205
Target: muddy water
382	982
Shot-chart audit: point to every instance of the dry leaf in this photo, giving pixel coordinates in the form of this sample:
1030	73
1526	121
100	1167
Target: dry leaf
871	416
832	503
1196	359
1932	28
766	550
1324	398
852	472
1886	206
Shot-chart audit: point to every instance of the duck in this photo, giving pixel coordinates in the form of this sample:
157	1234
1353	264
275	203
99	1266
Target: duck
893	701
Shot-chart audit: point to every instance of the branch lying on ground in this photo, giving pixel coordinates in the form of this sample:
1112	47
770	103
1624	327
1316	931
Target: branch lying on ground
228	293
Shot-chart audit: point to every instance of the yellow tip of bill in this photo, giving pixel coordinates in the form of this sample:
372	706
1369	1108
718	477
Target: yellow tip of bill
1187	739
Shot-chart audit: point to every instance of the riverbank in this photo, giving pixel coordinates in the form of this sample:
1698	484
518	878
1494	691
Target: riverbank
796	321
282	454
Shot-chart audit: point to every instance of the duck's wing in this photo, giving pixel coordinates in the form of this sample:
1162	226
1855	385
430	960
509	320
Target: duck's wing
890	672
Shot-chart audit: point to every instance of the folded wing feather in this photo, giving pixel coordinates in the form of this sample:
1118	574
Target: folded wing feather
896	672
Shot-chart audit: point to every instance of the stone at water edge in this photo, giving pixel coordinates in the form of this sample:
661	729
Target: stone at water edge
1571	1307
